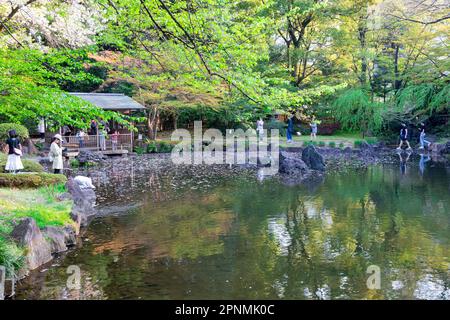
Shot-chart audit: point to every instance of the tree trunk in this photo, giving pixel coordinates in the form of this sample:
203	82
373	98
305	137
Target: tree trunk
397	81
153	122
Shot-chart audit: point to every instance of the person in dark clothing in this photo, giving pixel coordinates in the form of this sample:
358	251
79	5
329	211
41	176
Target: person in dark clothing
94	127
290	128
404	136
14	163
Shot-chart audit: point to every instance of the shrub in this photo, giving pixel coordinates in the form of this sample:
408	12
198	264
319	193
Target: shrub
28	165
358	143
152	147
165	147
74	163
341	145
30	180
160	146
21	131
39	146
275	124
139	150
309	143
321	144
11	256
332	144
371	140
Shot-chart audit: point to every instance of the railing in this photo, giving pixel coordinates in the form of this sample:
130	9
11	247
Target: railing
99	143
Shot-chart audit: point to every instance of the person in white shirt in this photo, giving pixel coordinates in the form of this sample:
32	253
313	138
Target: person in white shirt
55	154
260	128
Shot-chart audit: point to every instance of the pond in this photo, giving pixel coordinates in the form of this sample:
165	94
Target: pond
169	232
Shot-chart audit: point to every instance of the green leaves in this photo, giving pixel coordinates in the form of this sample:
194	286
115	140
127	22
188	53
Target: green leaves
29	90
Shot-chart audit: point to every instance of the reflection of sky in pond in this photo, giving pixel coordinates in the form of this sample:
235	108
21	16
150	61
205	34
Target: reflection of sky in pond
277	228
429	288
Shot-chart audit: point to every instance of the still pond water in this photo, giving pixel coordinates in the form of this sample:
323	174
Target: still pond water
220	233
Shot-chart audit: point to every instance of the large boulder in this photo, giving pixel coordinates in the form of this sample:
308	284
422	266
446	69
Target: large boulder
439	148
313	159
84	201
291	164
86	156
59	238
37	250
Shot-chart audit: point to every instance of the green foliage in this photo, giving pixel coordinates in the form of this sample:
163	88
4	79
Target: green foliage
40	204
356	112
358	143
332	144
165	147
278	125
51	192
310	143
30	91
420	101
74	163
341	145
159	146
152	147
139	150
11	256
30	180
56	215
371	140
21	131
321	143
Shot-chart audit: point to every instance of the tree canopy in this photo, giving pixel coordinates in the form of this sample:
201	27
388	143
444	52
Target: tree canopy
238	59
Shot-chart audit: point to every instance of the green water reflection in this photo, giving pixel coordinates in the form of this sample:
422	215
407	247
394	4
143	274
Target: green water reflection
243	238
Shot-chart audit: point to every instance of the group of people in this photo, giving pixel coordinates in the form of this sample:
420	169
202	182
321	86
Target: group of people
14	148
405	135
102	135
14	161
289	129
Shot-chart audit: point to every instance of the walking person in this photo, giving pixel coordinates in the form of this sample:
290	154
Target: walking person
422	139
55	154
14	163
404	137
313	126
260	128
290	128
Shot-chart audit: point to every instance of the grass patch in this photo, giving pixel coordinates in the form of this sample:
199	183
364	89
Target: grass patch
30	180
41	204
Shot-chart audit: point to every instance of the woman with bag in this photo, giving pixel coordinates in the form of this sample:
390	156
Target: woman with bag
13	164
55	154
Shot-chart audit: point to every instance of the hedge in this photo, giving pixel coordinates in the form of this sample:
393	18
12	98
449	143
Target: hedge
30	180
21	131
